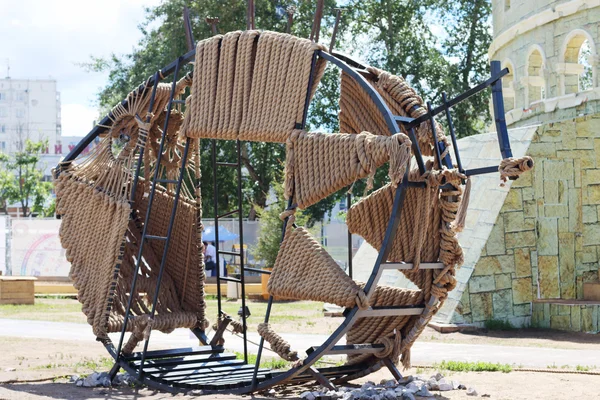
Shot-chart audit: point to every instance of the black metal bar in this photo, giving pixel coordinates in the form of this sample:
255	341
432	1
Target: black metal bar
166	181
250	16
189	39
227	214
481	171
216	211
373	94
181	352
403	120
229	253
438	156
179	101
155	237
416	150
452	133
241	233
498	103
169	231
463	96
131	199
338	14
229	279
350	254
260	271
173	212
226	164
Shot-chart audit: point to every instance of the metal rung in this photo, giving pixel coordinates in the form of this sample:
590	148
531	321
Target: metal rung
192	367
409	266
230	253
228	279
167	181
227	164
227	214
260	271
191	375
390	311
351	349
179	101
193	359
402	119
156	237
182	352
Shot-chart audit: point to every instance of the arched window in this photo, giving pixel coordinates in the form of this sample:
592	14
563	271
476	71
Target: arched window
576	71
508	86
535	81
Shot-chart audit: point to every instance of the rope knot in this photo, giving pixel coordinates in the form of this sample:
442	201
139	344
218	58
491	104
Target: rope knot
513	167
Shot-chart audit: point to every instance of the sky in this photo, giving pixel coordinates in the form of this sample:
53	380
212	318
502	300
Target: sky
47	38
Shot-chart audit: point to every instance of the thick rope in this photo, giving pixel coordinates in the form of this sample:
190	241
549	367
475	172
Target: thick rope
514	167
278	344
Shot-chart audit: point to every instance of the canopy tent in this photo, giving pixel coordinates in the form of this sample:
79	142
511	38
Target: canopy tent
224	235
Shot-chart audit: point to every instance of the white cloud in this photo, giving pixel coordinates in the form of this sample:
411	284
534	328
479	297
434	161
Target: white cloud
47	38
77	119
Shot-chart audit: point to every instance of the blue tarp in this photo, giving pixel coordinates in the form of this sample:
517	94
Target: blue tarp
224	235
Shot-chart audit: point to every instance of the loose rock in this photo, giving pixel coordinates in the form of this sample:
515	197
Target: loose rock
307	396
471	392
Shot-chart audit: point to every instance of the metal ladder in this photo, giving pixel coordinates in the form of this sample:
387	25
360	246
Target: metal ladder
145	236
219	252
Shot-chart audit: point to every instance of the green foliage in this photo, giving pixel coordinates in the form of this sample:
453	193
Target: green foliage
479	366
265	362
498	325
21	178
271	228
394	35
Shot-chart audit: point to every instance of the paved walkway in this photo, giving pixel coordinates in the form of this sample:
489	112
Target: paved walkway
423	353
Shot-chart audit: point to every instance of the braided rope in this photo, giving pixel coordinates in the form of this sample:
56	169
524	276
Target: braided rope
278	344
514	167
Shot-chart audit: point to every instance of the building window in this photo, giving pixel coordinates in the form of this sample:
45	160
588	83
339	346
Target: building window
20	96
3	112
20	112
3	128
508	87
535	77
2	96
506	5
577	73
3	146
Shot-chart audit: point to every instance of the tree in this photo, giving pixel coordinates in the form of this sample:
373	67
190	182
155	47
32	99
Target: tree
468	25
21	178
269	240
162	43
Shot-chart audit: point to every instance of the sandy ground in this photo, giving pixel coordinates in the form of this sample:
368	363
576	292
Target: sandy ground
35	359
41	366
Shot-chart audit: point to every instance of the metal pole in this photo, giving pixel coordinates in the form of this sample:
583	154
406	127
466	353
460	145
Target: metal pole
189	39
350	253
290	14
242	253
338	14
213	21
131	199
216	226
250	15
7	255
452	133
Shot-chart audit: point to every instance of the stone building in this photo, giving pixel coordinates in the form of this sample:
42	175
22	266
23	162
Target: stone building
532	253
551	50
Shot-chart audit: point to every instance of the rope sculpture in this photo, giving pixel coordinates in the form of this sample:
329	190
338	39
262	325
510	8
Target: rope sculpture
253	86
93	198
239	89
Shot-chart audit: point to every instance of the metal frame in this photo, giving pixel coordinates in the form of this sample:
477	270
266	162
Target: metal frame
258	379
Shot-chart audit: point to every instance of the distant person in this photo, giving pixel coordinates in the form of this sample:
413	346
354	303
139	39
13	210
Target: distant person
210	257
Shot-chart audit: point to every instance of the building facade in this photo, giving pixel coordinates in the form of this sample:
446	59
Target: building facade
537	264
29	109
551	50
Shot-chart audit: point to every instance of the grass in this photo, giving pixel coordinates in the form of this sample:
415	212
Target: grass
45	309
480	366
498	325
266	362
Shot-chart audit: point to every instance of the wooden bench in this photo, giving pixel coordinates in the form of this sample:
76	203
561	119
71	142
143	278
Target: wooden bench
17	289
